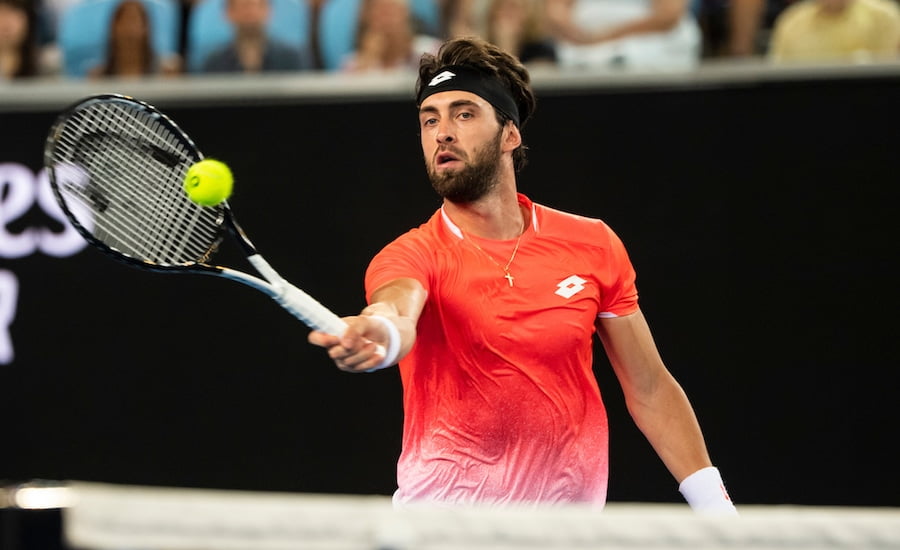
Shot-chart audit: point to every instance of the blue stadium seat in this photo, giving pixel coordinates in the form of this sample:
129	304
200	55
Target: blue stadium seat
84	32
426	11
209	28
338	22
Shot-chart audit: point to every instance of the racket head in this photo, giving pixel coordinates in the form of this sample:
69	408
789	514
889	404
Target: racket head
117	167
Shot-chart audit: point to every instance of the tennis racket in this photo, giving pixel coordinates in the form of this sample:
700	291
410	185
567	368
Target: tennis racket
117	165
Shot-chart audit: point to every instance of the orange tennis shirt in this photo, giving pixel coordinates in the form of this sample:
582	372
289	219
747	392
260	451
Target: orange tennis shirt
500	401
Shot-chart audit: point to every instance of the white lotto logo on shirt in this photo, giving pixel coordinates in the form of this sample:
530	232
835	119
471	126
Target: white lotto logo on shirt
570	286
443	77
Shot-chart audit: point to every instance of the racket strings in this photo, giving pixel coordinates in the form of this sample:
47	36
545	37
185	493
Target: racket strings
160	241
120	170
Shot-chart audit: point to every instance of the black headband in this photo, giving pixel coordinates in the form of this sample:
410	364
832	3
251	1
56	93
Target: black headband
466	79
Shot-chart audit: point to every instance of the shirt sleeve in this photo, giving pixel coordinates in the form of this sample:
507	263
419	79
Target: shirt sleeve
619	296
403	258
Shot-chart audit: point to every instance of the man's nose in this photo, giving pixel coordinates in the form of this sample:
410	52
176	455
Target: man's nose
445	133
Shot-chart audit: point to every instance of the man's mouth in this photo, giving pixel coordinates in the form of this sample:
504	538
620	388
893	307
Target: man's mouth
445	157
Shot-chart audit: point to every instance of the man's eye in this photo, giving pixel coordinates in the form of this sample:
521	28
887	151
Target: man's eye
465	115
429	122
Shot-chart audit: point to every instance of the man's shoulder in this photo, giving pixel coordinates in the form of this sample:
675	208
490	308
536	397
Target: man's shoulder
281	47
285	56
413	253
430	233
223	57
569	226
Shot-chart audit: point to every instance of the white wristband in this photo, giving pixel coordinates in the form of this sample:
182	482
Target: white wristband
705	491
393	346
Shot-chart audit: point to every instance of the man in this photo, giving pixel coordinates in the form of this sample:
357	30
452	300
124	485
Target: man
490	308
837	31
252	50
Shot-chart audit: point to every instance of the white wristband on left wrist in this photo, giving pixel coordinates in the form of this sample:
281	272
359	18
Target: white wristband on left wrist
705	492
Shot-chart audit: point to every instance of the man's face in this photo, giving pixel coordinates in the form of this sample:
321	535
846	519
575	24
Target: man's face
461	141
249	16
387	16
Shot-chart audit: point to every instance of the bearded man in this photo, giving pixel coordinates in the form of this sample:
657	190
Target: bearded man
490	308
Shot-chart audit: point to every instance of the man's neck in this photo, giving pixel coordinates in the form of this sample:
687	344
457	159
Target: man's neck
248	37
498	215
251	50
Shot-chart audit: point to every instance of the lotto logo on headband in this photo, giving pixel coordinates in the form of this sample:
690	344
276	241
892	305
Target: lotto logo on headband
443	77
484	84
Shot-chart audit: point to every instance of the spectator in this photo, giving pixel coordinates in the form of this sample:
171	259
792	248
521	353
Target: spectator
49	13
737	28
388	38
252	50
731	28
517	28
837	30
633	34
129	51
459	18
18	41
47	18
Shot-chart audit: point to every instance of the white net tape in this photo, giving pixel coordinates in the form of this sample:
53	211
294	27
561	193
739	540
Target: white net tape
114	517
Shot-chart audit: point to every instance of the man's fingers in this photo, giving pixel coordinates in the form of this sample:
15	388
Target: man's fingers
351	351
322	339
366	357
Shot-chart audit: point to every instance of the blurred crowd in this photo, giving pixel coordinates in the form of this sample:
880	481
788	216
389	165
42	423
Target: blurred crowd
138	38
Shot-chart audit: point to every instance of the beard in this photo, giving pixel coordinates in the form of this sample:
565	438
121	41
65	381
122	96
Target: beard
474	180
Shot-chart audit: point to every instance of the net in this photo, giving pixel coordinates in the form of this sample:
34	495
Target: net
119	167
102	516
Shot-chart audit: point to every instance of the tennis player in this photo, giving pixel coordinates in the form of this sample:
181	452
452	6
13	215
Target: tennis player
490	308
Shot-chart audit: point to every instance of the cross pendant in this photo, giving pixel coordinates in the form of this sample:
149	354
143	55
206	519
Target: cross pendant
509	278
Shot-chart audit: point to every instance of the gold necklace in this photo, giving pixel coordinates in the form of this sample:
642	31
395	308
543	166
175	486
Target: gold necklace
505	268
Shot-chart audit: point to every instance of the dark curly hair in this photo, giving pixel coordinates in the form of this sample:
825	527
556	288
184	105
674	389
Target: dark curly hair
483	56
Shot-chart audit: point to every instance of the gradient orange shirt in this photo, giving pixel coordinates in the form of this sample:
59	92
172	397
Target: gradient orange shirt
500	401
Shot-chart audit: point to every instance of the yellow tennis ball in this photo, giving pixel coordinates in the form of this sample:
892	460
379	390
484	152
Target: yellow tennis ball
208	182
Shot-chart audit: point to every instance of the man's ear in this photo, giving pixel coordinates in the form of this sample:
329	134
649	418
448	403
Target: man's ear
512	137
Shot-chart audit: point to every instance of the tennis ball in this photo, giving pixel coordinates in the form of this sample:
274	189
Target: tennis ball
208	182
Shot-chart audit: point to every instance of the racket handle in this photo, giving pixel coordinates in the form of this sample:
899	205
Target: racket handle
307	309
299	303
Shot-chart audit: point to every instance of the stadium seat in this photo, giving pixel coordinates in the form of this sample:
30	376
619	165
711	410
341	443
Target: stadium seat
84	32
209	28
426	12
338	20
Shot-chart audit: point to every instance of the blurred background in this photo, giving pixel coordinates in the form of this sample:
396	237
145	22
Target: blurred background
744	150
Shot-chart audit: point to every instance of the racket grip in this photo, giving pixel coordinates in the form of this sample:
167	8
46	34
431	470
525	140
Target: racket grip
299	303
307	309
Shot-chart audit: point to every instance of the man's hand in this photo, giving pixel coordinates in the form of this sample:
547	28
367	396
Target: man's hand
362	347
